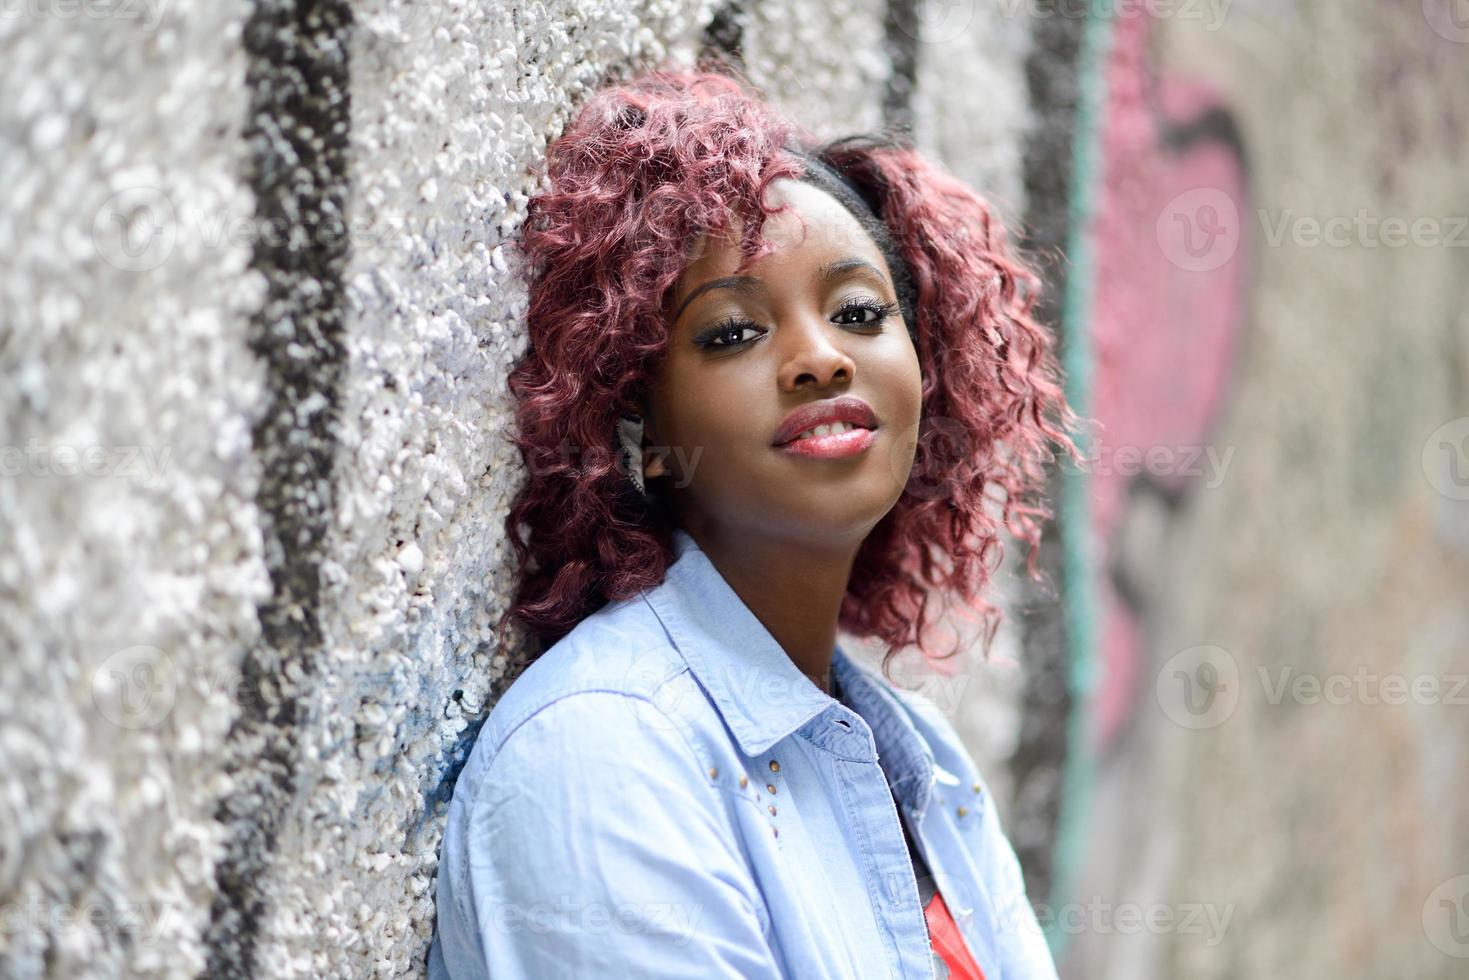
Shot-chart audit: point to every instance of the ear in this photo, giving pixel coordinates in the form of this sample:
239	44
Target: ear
653	459
653	464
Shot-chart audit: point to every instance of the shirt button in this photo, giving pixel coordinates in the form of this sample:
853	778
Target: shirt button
771	808
744	781
771	787
774	766
713	772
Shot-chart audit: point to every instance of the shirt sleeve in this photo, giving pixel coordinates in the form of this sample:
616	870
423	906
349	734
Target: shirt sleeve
596	845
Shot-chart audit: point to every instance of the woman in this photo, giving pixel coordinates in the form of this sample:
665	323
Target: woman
817	360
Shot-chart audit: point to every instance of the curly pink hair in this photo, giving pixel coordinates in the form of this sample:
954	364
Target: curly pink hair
644	168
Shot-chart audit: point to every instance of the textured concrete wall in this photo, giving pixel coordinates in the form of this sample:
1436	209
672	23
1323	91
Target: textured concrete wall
254	323
131	551
1338	547
960	50
256	320
1307	813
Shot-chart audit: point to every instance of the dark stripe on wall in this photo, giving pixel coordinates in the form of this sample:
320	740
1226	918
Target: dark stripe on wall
297	137
1052	77
901	30
1215	125
724	35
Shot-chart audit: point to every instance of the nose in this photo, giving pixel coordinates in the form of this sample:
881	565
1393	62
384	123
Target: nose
810	354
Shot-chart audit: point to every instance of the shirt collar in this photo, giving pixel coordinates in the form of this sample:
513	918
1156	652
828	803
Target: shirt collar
757	689
905	755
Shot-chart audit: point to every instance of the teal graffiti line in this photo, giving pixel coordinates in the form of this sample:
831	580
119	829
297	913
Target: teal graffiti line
1078	547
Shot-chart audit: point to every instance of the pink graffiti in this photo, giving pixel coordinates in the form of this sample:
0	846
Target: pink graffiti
1170	240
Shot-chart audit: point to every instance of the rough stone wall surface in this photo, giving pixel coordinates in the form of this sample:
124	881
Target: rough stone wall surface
448	116
1307	806
825	64
961	50
1358	371
971	108
255	317
131	553
262	243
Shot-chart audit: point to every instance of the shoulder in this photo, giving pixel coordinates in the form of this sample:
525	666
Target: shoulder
597	799
613	687
622	648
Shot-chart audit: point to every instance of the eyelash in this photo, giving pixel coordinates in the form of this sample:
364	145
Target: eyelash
706	339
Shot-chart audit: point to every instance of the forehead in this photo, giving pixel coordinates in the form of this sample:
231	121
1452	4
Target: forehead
829	229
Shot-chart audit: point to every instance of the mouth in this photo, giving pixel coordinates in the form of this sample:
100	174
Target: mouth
831	442
828	429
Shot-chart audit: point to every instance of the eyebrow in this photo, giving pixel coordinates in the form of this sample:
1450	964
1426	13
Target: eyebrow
752	286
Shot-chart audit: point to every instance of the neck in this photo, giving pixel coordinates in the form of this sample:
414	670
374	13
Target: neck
794	590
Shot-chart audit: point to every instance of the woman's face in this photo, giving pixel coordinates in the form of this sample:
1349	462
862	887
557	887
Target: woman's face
814	321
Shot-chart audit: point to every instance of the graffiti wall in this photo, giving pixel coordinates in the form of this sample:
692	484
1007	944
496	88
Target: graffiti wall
255	320
1278	355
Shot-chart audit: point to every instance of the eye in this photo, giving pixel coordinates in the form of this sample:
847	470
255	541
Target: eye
726	333
879	312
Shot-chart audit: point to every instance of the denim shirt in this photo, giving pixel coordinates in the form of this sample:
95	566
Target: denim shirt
663	794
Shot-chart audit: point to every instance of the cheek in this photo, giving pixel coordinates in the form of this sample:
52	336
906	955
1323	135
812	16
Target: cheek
709	424
719	428
903	378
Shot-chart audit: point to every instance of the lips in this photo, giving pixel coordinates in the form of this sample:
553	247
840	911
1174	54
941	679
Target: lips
825	412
